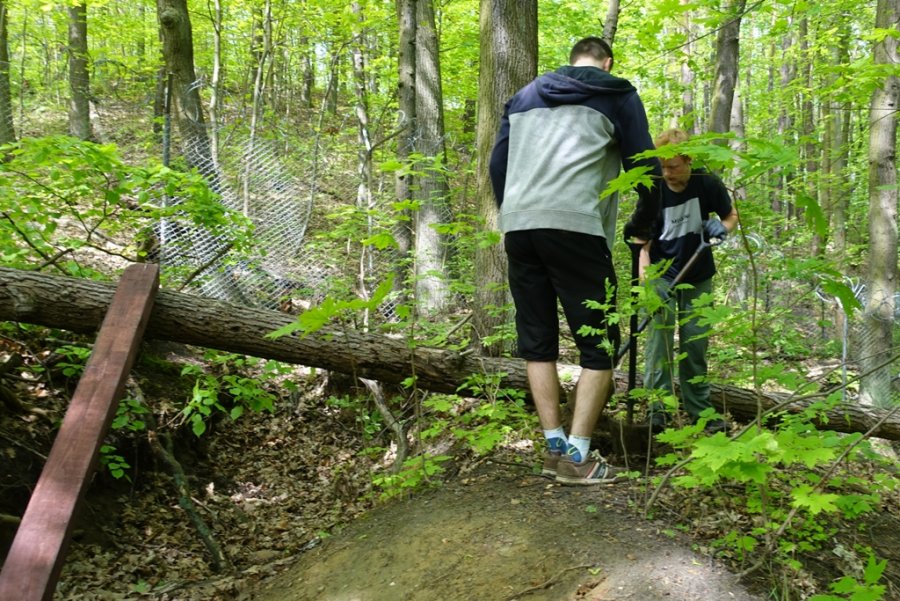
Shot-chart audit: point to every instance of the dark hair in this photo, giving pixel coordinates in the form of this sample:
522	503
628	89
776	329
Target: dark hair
593	47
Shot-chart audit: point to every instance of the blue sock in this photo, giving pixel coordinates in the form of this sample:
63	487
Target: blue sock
578	447
556	439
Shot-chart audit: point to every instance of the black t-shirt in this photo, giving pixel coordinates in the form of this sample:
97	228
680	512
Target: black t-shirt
679	230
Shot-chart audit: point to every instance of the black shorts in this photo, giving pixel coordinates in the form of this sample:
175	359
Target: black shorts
546	265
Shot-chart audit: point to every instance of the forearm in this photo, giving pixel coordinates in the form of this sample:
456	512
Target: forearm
731	220
644	260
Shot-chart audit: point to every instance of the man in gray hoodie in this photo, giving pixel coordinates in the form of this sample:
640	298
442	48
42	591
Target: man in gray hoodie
562	138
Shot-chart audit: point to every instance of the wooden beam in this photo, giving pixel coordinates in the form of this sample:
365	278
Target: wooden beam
36	556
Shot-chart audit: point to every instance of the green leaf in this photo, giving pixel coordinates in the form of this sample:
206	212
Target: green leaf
804	496
381	241
813	212
198	426
628	180
840	290
874	570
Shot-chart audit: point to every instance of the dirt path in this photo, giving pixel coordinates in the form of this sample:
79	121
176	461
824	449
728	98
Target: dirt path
498	534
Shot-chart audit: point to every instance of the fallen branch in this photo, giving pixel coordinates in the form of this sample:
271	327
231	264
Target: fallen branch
161	445
551	582
392	423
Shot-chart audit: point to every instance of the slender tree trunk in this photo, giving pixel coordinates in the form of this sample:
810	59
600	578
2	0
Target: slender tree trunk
406	141
788	74
727	50
24	80
178	51
836	130
261	54
880	313
744	287
215	82
689	118
508	61
7	128
79	79
364	199
308	75
159	101
334	82
811	172
432	290
611	23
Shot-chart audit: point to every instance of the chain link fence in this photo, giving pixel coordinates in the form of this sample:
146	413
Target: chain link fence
276	187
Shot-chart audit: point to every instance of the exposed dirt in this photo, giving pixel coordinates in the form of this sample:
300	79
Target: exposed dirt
500	534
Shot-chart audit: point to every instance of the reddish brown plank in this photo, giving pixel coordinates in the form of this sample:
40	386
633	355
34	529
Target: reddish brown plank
36	556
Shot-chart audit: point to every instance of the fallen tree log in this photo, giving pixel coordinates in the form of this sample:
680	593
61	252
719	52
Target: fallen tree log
79	305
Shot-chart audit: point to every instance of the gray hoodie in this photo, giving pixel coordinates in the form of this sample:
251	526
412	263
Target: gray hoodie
563	137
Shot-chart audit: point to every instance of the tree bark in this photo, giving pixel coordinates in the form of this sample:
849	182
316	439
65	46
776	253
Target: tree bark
365	201
7	129
611	23
811	170
727	47
880	312
432	289
215	83
508	61
406	141
308	73
79	305
79	80
689	121
178	52
836	115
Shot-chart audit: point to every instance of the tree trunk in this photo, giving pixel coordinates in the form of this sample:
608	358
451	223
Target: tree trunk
7	129
79	80
364	198
787	75
334	80
727	50
611	23
432	290
811	171
836	130
261	52
508	62
178	51
688	111
406	141
880	313
215	84
308	74
79	305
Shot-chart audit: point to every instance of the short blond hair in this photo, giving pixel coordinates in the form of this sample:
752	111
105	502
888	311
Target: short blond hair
671	136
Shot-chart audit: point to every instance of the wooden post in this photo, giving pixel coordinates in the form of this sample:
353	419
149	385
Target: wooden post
36	556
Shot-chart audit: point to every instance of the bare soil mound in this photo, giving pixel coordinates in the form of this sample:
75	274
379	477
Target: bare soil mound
497	534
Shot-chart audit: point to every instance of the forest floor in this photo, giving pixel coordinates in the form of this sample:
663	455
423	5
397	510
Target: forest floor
288	497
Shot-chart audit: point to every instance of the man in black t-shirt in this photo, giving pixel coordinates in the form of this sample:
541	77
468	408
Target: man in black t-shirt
696	206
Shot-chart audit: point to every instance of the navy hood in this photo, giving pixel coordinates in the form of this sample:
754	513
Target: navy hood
574	85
